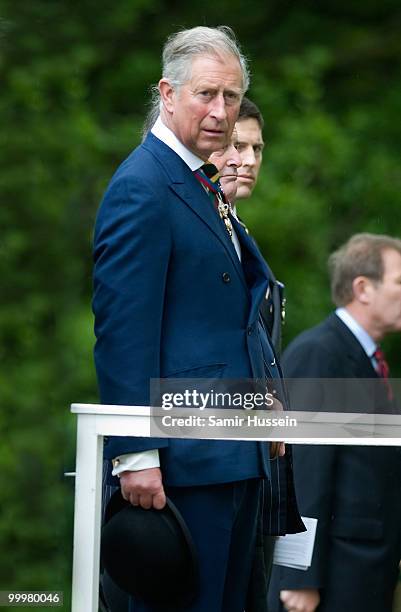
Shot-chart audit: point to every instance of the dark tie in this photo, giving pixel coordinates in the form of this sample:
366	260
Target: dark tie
383	370
208	176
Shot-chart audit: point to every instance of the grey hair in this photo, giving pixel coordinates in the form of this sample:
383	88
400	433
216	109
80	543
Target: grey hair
181	47
360	256
178	53
152	114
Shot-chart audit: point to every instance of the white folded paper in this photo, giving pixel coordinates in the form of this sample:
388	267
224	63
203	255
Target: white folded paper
295	549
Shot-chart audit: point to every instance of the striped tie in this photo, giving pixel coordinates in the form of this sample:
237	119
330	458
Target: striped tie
208	176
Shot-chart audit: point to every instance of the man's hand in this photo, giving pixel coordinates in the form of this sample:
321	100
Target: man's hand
277	449
303	600
143	488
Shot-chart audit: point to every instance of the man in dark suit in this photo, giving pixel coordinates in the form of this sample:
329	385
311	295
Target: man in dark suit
177	295
353	491
249	142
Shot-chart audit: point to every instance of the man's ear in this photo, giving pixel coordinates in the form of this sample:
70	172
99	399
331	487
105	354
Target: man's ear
167	94
362	288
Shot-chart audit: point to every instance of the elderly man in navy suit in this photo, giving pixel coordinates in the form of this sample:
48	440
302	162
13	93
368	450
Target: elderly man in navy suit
177	290
353	491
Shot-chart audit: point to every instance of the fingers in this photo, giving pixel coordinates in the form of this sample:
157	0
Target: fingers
302	600
273	450
277	449
147	500
143	488
159	500
289	601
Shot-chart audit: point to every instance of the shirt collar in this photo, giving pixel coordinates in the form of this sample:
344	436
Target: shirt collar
163	133
368	345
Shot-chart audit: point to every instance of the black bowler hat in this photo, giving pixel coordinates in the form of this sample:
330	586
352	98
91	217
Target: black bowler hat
150	553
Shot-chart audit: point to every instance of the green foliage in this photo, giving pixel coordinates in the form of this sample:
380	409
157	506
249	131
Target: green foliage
74	81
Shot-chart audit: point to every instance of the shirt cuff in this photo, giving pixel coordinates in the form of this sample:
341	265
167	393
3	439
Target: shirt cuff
134	462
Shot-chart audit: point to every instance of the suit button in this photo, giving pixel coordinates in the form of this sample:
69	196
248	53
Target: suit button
226	277
250	330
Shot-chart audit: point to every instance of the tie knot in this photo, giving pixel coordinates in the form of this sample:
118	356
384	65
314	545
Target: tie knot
379	354
209	176
211	171
382	366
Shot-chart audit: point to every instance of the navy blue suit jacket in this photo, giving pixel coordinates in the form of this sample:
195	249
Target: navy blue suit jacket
172	299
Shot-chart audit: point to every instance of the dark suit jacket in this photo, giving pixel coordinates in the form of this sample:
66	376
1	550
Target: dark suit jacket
172	299
354	491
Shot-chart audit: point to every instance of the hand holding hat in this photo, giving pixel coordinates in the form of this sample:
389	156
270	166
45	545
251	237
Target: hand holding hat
143	488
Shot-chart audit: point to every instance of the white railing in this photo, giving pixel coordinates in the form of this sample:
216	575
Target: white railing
96	421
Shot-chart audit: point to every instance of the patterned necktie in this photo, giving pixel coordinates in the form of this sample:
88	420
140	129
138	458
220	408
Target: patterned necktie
383	370
208	176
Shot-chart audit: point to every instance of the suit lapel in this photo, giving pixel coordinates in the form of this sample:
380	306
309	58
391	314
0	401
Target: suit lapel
362	368
190	191
353	350
194	196
255	268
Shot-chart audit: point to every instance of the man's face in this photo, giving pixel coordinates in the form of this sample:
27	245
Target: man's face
385	306
227	161
203	111
249	145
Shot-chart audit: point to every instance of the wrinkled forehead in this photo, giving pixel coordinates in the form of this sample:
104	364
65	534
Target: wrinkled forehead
200	66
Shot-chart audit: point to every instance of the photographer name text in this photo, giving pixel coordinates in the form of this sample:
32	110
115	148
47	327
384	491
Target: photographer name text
236	421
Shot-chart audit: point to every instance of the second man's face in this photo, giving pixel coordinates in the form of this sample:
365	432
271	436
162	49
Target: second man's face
227	162
249	144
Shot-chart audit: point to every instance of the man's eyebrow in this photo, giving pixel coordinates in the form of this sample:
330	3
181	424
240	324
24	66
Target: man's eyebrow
260	143
210	85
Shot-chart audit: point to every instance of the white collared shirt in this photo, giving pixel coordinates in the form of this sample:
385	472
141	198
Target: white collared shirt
163	133
367	343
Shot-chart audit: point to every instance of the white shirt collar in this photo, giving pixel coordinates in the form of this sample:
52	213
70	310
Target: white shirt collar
163	133
368	345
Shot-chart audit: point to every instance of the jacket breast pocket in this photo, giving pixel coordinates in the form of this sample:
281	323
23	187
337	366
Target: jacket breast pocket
212	370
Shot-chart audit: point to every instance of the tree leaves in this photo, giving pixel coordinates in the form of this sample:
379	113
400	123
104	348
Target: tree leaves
74	81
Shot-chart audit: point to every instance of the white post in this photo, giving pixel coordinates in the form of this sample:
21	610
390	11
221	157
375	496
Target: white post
88	491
